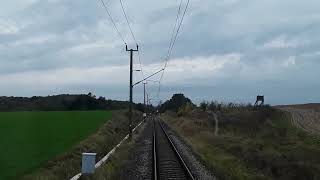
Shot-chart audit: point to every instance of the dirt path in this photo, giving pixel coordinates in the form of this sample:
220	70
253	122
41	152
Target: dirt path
306	119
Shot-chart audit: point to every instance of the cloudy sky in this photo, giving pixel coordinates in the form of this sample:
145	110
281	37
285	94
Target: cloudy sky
227	50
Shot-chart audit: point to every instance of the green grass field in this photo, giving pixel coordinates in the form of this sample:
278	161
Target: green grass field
29	139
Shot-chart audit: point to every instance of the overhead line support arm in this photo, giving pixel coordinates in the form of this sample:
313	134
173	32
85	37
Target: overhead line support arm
148	77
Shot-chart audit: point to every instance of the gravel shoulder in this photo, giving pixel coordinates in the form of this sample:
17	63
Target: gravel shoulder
198	170
139	164
126	162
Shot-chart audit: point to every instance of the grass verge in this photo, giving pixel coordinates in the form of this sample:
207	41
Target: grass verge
68	164
114	167
253	144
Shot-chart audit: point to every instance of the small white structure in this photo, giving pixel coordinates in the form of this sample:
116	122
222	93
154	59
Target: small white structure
88	163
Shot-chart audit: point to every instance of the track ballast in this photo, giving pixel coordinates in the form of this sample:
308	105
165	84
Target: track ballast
168	163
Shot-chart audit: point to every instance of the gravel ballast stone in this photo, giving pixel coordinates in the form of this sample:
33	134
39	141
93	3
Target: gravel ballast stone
198	170
139	166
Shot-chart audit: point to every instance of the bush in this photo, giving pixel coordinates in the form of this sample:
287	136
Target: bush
175	103
203	105
185	109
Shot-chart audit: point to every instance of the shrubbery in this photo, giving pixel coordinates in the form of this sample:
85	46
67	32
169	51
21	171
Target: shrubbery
229	107
175	103
63	102
185	109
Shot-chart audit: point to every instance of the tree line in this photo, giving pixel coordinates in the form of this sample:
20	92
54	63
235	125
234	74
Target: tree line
63	102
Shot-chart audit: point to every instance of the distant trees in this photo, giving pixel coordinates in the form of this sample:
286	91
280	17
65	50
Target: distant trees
64	102
203	105
226	107
72	102
185	109
175	103
140	107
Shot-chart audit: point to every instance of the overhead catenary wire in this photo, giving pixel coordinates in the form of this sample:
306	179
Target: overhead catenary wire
173	31
132	34
139	58
148	77
179	27
112	21
174	35
127	20
117	29
173	41
170	46
104	4
154	81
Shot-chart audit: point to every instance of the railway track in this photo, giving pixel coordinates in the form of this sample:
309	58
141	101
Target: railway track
167	162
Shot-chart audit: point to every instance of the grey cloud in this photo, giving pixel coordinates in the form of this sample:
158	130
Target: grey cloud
54	34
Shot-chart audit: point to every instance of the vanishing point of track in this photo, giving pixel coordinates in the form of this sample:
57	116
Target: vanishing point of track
167	162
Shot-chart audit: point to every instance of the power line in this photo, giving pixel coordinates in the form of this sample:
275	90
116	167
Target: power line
132	34
112	21
128	23
178	29
159	86
172	43
148	77
175	35
152	81
173	31
140	65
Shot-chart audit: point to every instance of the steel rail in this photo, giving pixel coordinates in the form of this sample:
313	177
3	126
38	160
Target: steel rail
155	171
173	147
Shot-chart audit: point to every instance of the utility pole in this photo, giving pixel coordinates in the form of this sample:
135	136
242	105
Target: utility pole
130	87
144	96
147	103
